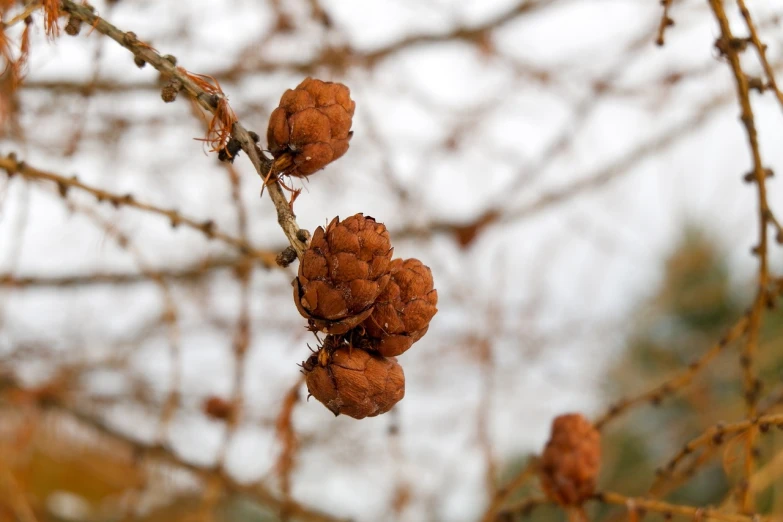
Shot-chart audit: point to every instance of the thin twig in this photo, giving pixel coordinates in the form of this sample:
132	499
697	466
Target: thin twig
285	216
719	434
677	382
12	166
751	383
666	21
761	50
193	273
503	494
665	508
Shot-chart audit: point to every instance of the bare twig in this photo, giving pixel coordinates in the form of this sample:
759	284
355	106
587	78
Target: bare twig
751	382
206	100
666	21
12	166
676	383
193	273
717	435
665	508
503	494
761	50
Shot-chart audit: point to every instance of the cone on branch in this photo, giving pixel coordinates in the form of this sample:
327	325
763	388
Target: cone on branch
569	465
403	311
312	125
352	381
342	273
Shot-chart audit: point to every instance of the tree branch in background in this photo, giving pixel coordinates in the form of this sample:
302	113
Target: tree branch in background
160	454
727	45
12	167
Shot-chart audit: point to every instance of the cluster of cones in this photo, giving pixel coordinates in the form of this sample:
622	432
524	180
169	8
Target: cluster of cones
372	308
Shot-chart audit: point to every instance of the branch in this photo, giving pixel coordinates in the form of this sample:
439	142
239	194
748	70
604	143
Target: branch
208	101
502	494
666	509
727	45
583	184
761	50
676	383
193	273
654	396
12	167
717	435
666	21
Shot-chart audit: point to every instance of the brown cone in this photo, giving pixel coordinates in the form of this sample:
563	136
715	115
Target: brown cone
313	124
342	273
571	459
403	310
353	382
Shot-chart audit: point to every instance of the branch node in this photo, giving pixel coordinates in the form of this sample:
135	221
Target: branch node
73	26
129	38
170	91
208	227
755	83
286	257
230	151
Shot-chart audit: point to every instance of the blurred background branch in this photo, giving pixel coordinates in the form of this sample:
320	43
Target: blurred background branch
576	188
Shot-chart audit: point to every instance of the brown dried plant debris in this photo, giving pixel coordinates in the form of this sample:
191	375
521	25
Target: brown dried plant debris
404	309
223	117
218	408
14	69
342	273
352	381
52	14
569	465
312	125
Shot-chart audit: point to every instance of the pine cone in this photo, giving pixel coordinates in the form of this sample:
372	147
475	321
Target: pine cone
404	309
354	382
342	273
569	465
313	124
